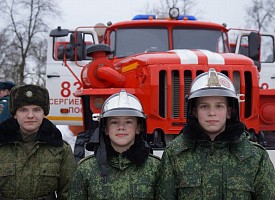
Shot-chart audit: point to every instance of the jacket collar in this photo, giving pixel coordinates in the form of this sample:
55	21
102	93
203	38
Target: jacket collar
47	133
233	137
232	133
137	153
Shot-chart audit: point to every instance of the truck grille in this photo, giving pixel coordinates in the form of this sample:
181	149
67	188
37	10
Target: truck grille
174	88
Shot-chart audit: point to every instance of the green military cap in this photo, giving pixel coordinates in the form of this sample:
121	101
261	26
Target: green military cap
25	95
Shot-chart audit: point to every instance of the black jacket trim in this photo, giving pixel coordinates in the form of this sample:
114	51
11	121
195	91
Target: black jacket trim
47	133
137	153
231	133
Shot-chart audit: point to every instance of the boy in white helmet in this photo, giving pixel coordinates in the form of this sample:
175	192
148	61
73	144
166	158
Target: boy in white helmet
122	167
212	158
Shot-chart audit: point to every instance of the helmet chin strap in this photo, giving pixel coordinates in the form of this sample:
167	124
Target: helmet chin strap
97	141
93	141
101	157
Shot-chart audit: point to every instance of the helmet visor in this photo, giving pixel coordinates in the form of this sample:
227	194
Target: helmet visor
123	112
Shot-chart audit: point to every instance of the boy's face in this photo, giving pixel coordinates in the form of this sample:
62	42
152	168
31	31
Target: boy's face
122	132
212	113
29	118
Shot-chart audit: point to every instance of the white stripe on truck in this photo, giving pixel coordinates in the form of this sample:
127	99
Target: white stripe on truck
213	58
186	56
189	57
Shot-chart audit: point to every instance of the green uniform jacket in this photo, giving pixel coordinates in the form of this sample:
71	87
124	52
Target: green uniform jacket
126	181
46	169
199	169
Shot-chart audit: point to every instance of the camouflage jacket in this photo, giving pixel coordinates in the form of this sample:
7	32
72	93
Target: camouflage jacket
125	180
46	169
230	168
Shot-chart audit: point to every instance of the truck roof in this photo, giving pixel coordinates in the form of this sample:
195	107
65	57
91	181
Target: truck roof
172	23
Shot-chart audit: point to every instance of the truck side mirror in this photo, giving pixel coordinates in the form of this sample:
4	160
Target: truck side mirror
254	41
76	41
64	49
58	32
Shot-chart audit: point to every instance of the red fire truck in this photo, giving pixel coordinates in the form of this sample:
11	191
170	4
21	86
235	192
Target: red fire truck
156	60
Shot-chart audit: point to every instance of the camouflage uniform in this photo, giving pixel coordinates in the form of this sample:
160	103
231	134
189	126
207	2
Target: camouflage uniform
131	174
35	168
229	168
126	180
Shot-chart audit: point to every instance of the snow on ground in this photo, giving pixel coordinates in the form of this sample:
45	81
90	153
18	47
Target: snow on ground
272	156
67	135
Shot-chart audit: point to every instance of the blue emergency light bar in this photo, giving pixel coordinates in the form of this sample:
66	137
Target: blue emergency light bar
145	17
188	17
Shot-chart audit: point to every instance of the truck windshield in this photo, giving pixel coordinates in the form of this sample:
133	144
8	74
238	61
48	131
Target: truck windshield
131	41
211	40
139	40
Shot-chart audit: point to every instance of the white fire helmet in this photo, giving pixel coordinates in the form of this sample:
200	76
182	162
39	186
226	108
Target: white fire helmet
213	83
123	104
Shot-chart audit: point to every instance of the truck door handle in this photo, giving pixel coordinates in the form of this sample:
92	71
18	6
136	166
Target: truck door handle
53	76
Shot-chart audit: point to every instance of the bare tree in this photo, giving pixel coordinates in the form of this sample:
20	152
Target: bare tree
261	14
36	73
8	57
185	7
26	28
3	53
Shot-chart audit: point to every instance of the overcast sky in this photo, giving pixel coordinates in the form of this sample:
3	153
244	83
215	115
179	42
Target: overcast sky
90	12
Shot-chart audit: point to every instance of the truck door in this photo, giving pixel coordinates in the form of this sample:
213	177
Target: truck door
267	73
267	58
65	58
